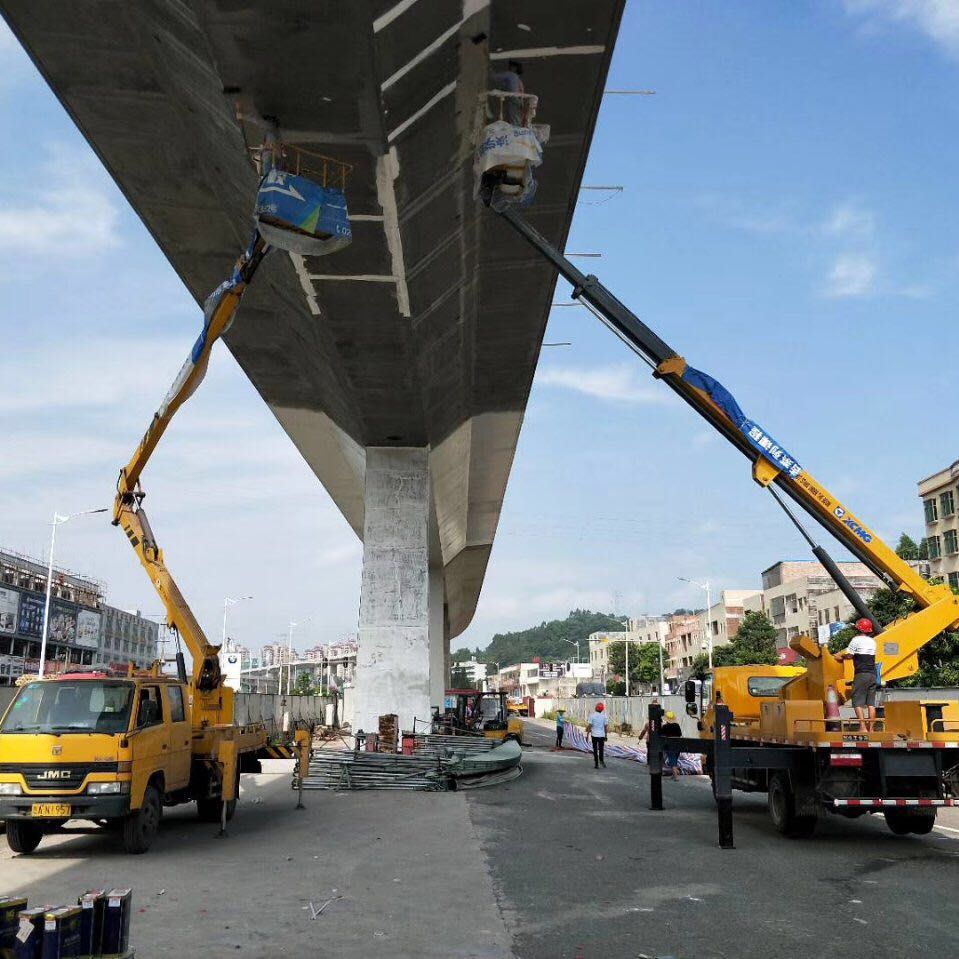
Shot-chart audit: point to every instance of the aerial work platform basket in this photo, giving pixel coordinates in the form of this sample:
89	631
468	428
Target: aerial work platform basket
301	202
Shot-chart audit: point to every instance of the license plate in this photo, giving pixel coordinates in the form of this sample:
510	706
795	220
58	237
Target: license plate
51	810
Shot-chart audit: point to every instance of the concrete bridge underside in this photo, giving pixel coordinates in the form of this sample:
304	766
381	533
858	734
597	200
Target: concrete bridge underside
401	366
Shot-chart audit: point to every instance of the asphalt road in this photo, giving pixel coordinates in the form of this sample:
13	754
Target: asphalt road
565	862
583	869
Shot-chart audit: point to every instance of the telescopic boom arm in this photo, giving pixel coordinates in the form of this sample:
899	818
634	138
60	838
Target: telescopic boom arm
128	512
772	467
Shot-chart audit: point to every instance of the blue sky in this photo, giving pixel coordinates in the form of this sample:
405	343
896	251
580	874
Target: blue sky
788	223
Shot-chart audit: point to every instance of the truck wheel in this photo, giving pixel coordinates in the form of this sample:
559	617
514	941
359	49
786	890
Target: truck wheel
905	821
23	836
140	827
782	810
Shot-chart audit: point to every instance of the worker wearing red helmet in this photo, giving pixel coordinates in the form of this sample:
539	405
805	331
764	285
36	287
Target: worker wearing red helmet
862	652
596	729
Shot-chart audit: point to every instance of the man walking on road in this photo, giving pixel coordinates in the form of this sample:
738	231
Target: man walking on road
560	727
671	728
596	727
862	652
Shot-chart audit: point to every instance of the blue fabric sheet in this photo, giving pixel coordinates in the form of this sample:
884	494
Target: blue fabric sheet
764	444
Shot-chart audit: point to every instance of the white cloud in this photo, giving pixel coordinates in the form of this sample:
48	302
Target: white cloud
852	274
619	383
67	212
937	19
90	373
851	221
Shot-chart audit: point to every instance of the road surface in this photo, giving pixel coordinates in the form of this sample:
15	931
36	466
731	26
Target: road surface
565	862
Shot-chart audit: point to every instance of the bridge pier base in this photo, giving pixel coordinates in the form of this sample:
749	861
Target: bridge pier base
401	628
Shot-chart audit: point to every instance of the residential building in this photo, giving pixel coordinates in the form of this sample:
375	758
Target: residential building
83	629
940	500
557	678
725	617
834	610
792	591
476	672
599	651
684	642
127	637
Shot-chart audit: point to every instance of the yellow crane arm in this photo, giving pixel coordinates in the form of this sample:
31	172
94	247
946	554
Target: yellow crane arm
772	465
899	642
219	311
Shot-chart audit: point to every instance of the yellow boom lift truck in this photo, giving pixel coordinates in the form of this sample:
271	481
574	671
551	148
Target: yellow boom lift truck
777	729
116	750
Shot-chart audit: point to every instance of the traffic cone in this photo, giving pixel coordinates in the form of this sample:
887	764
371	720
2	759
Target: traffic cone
832	709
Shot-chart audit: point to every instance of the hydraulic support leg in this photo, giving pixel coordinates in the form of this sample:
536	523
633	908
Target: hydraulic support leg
722	774
655	757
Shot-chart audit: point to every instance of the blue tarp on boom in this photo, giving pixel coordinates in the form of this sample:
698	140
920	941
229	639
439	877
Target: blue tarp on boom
765	445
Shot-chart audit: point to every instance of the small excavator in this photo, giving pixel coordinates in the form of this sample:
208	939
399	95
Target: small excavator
92	746
906	766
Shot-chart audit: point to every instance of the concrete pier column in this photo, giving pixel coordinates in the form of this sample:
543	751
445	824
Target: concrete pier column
438	644
393	660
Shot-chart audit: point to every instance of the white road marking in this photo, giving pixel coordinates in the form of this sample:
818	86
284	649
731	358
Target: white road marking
445	92
385	19
299	264
470	7
362	277
532	53
387	170
421	56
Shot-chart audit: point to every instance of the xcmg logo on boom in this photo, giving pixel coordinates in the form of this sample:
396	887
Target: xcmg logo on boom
864	535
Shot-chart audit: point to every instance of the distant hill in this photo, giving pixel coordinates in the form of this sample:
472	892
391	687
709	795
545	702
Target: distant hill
545	640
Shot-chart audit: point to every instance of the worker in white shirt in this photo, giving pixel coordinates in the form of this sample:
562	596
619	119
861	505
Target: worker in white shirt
862	652
596	728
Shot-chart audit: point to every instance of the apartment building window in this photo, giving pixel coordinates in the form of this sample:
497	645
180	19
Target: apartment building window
932	511
954	580
934	547
950	540
947	503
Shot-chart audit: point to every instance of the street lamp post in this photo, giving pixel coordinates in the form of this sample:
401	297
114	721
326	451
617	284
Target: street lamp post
709	633
289	659
572	643
229	601
57	521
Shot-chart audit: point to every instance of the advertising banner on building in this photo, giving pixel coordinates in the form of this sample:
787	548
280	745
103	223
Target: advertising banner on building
88	629
9	604
63	624
11	668
31	615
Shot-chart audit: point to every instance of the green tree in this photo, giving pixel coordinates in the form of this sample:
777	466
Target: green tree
907	547
459	678
643	666
303	685
938	659
754	645
548	640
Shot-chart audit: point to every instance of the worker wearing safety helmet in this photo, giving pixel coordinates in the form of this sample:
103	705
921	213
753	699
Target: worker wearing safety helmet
862	652
596	728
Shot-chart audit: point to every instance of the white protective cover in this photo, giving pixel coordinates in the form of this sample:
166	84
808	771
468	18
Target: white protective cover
504	145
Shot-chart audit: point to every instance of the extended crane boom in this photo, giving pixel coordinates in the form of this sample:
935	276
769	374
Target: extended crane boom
774	468
218	313
294	212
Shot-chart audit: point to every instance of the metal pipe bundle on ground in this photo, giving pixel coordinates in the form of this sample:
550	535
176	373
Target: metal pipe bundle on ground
438	745
344	769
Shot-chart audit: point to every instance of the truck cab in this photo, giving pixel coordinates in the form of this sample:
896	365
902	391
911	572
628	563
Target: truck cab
94	747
